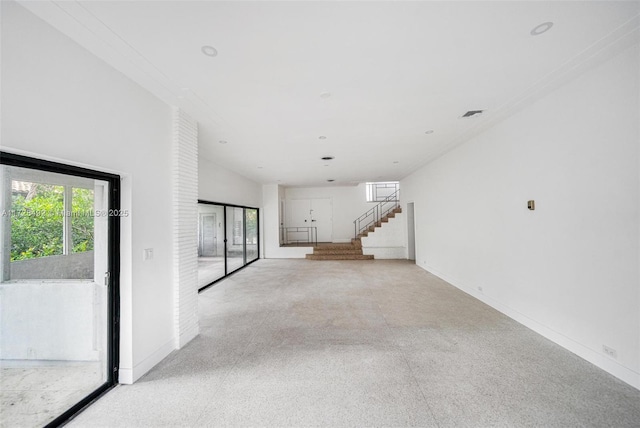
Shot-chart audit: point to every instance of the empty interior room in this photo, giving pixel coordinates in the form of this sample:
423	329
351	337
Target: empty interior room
320	213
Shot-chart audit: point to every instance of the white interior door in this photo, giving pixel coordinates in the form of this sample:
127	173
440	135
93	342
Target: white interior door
321	213
299	213
208	236
316	213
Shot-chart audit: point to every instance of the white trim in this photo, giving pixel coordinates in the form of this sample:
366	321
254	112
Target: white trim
131	375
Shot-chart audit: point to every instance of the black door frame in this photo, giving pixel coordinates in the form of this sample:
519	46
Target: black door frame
113	309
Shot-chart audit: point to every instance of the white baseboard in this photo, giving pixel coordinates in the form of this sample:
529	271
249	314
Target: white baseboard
188	336
130	375
594	357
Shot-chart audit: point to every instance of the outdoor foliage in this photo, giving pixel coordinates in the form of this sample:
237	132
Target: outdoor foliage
37	222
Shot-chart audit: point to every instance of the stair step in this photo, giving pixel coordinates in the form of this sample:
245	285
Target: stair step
339	257
338	252
345	246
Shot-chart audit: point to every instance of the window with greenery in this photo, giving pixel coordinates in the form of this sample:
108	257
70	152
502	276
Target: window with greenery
82	220
41	221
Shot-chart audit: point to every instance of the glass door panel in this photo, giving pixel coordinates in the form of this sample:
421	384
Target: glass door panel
235	238
251	221
211	260
54	328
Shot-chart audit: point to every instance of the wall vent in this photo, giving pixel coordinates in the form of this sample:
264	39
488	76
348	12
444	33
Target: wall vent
472	113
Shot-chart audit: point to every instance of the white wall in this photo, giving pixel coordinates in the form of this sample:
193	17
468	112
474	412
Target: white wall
60	102
569	269
64	320
219	184
349	202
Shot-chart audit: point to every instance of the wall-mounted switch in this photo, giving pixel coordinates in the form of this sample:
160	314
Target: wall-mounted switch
531	205
147	254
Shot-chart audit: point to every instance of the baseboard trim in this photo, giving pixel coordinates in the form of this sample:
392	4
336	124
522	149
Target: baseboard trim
612	367
188	336
130	375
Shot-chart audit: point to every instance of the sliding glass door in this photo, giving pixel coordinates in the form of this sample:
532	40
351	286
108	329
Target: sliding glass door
58	289
228	240
211	251
235	238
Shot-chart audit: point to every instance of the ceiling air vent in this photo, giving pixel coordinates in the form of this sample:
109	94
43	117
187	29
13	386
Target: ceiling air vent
473	113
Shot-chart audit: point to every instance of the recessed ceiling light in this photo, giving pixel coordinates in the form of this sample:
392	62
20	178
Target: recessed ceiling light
430	131
322	137
331	180
325	95
209	50
327	158
223	141
542	28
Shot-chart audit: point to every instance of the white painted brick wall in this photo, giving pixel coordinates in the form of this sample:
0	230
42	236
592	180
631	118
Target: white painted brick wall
185	226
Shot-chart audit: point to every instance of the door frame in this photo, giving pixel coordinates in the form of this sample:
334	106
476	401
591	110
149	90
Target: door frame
411	231
113	264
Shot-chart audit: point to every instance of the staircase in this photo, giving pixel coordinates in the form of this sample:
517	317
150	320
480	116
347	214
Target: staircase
372	228
364	225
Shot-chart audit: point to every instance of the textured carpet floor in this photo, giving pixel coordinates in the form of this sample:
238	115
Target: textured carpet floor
374	343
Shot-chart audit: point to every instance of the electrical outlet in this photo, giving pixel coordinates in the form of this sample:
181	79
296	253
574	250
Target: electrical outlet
610	351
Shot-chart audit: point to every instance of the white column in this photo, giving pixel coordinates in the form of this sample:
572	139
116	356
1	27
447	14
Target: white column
185	226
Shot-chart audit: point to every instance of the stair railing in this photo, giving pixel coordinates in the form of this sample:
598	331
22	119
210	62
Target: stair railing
375	214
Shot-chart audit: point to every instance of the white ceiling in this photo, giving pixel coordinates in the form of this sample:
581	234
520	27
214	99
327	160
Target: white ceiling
394	70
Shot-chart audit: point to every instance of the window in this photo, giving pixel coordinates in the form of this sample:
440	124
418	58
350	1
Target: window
382	191
62	216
